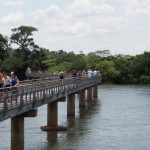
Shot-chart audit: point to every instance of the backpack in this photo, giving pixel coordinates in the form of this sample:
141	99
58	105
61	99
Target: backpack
61	75
74	73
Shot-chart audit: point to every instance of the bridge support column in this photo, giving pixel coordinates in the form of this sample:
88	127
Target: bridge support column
52	114
17	133
71	105
52	118
82	98
95	91
17	129
89	94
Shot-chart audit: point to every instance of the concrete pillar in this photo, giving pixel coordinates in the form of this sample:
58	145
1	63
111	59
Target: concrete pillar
17	133
89	94
52	118
71	105
17	129
82	98
95	90
52	114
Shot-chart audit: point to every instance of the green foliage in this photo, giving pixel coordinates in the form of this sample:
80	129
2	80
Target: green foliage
108	70
145	79
117	69
21	36
102	53
91	60
4	46
124	65
37	58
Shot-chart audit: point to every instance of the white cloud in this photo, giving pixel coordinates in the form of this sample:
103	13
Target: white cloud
90	7
136	7
12	18
14	3
87	25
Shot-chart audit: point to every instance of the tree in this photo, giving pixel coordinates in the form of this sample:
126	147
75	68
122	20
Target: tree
91	60
141	67
108	71
37	58
3	47
123	63
102	53
22	37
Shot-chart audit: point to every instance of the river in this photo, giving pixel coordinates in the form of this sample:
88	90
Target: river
119	119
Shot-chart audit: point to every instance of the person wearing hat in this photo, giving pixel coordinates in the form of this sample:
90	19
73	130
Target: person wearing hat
14	81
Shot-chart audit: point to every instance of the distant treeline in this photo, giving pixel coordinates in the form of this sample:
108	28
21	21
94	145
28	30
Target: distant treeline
118	69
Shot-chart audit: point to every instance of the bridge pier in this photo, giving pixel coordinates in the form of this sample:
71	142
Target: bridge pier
82	98
52	114
17	129
89	94
17	133
71	105
95	90
52	118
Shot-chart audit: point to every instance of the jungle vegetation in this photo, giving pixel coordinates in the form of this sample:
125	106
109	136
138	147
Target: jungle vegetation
118	69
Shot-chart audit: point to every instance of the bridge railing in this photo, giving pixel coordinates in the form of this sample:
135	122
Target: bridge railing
33	92
41	75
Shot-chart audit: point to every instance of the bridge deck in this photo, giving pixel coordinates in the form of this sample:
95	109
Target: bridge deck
33	94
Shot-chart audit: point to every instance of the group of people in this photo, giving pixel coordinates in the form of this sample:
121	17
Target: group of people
91	73
73	73
8	82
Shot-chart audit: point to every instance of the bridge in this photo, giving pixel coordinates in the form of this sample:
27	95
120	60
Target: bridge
24	100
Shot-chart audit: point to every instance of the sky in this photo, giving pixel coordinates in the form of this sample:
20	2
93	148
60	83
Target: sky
121	26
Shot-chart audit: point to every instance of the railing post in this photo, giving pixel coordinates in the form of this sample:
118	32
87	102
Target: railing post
44	93
21	99
34	96
5	101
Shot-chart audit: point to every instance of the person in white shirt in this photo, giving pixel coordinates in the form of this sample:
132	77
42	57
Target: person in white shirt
6	81
89	72
95	72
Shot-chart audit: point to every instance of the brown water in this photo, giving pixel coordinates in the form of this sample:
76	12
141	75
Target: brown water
118	120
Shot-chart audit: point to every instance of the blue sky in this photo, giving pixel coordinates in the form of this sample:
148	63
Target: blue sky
121	26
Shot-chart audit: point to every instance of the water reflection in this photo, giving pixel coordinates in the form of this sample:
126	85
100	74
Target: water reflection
119	119
52	138
76	129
